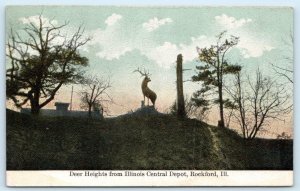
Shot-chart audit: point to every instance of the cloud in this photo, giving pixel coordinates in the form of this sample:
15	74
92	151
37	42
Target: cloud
111	20
155	23
116	53
36	20
252	47
228	22
249	45
110	41
113	44
165	55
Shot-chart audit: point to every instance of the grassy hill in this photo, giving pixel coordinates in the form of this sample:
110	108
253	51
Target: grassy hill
135	142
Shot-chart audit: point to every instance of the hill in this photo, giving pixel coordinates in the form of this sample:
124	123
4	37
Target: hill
136	142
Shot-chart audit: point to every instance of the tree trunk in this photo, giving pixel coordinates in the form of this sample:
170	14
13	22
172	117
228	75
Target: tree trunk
35	99
90	111
221	122
180	98
35	108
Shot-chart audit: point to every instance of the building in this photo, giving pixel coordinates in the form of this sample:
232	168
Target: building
62	109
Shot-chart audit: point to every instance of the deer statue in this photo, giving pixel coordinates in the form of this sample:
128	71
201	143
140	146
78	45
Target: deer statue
146	91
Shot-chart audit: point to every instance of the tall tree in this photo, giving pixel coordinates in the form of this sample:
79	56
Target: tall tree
42	59
213	66
95	93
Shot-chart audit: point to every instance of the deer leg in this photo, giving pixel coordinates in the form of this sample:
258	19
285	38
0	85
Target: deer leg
148	101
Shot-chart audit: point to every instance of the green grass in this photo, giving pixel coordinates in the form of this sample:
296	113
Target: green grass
140	142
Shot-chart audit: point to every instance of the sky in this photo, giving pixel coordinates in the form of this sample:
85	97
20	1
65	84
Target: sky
125	38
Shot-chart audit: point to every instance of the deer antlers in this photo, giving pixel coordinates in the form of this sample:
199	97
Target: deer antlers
145	73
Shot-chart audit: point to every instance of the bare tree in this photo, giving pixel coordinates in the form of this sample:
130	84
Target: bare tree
42	59
258	101
229	115
94	93
287	70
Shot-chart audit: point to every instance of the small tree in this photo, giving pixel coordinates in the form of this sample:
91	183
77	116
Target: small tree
257	101
41	61
284	135
94	93
214	65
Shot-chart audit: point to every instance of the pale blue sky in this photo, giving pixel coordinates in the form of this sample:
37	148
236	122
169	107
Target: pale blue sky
124	38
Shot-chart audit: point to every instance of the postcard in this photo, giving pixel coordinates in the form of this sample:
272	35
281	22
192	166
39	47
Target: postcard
149	96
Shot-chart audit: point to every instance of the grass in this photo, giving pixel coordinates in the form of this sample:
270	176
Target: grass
135	142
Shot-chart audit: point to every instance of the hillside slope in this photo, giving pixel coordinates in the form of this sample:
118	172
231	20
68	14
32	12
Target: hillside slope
135	142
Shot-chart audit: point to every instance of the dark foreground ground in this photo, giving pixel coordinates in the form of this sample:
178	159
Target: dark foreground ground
136	142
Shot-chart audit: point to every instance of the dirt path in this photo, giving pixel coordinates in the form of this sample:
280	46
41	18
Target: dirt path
217	150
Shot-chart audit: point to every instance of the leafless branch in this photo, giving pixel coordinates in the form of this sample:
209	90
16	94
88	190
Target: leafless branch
258	101
94	93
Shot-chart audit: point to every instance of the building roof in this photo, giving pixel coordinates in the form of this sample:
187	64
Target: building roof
61	103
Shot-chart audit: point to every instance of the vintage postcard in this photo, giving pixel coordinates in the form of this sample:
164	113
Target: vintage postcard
149	96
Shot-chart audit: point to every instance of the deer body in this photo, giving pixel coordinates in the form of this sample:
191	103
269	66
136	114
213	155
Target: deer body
147	92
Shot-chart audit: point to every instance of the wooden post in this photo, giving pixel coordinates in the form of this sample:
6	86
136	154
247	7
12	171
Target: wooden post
180	98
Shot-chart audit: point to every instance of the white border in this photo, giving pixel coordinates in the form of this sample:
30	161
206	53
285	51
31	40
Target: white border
149	178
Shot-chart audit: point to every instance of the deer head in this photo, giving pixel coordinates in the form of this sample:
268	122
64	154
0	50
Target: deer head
146	74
